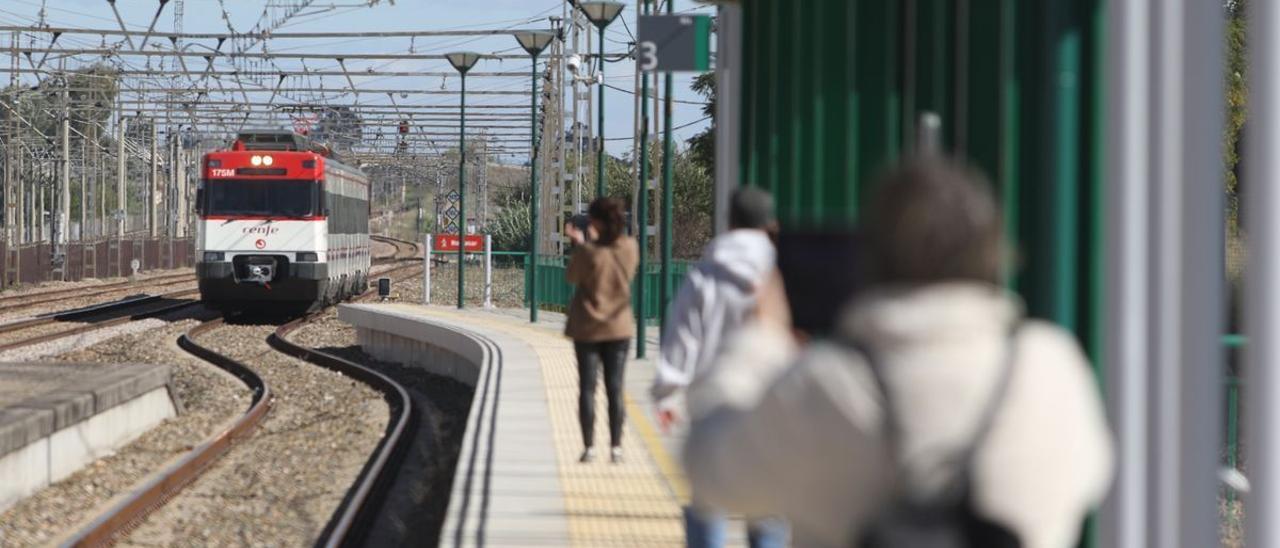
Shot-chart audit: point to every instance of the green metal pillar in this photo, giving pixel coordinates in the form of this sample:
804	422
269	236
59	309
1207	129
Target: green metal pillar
642	206
462	195
537	197
668	174
600	152
1051	46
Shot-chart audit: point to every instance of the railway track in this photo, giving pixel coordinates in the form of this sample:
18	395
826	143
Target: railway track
94	317
350	522
18	302
405	250
110	314
129	512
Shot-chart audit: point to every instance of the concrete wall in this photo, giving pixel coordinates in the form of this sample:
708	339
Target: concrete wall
399	337
60	453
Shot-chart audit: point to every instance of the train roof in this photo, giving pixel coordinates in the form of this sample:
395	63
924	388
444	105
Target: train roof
279	140
282	140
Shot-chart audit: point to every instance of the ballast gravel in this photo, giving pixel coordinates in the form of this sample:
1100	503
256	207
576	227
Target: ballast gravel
88	283
279	486
208	398
76	342
11	312
415	508
507	292
331	422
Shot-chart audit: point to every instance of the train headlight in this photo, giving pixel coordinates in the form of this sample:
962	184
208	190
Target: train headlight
308	257
256	161
267	160
214	256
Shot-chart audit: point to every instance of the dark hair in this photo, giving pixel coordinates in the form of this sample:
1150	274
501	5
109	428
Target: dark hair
612	216
932	220
750	208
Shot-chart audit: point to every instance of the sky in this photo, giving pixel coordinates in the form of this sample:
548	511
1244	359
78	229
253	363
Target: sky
357	15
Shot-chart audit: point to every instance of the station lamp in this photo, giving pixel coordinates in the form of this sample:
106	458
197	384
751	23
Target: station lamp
601	14
462	61
534	42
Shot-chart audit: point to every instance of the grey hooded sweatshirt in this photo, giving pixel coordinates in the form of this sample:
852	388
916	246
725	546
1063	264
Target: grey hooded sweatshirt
714	302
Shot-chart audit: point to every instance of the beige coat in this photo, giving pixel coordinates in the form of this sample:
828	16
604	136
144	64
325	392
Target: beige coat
801	437
601	305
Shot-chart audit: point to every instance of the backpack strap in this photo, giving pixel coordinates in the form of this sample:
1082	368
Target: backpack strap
994	402
892	420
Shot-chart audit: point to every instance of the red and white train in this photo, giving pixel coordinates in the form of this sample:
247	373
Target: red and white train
280	221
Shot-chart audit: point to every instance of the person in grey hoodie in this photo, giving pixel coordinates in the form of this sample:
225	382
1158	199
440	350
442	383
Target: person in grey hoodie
805	436
718	296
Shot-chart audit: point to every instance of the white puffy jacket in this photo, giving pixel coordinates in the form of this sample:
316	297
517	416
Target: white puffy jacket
802	438
714	301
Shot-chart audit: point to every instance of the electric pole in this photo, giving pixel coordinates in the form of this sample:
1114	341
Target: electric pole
122	204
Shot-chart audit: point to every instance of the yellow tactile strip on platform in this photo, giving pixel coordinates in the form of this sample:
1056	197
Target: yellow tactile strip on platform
628	504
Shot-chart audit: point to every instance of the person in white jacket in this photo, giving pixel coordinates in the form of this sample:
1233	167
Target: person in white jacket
717	297
803	437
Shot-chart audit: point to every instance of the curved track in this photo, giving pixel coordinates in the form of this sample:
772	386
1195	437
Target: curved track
353	516
405	250
129	512
352	519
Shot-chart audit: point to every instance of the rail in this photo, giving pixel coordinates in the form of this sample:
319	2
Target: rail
57	295
93	311
129	512
353	517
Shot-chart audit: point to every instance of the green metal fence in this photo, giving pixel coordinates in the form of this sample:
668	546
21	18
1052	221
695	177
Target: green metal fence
831	90
554	292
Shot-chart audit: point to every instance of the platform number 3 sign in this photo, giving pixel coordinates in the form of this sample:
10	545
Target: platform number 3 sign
674	43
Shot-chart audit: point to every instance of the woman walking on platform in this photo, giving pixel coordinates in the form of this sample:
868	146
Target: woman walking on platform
600	317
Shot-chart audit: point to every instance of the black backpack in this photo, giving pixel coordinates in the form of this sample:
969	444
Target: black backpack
949	519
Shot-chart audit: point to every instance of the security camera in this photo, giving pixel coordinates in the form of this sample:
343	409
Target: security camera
575	63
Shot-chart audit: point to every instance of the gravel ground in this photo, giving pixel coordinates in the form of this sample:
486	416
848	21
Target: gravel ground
298	441
209	398
280	486
508	286
88	284
10	313
76	342
381	249
415	509
60	326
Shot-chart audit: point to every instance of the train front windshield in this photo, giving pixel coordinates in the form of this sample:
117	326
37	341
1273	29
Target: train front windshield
272	198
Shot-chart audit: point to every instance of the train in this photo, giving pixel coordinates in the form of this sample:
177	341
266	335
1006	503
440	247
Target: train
282	221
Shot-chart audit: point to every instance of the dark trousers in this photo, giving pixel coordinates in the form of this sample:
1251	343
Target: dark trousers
613	355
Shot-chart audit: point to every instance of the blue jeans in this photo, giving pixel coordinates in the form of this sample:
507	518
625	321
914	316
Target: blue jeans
706	529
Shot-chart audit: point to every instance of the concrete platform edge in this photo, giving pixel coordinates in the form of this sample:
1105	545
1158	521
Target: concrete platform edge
478	359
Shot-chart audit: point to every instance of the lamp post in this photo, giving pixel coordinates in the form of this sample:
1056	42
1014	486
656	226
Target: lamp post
534	42
642	205
665	287
462	61
601	14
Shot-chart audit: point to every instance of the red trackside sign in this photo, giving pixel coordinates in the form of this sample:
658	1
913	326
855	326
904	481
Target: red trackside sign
449	242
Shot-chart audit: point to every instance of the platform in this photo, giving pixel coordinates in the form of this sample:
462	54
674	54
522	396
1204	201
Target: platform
57	417
519	481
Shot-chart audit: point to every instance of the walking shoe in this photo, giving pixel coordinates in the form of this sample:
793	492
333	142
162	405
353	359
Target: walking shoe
588	455
615	455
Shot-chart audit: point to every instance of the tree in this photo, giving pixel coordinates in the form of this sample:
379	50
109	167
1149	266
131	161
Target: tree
692	205
702	146
511	224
